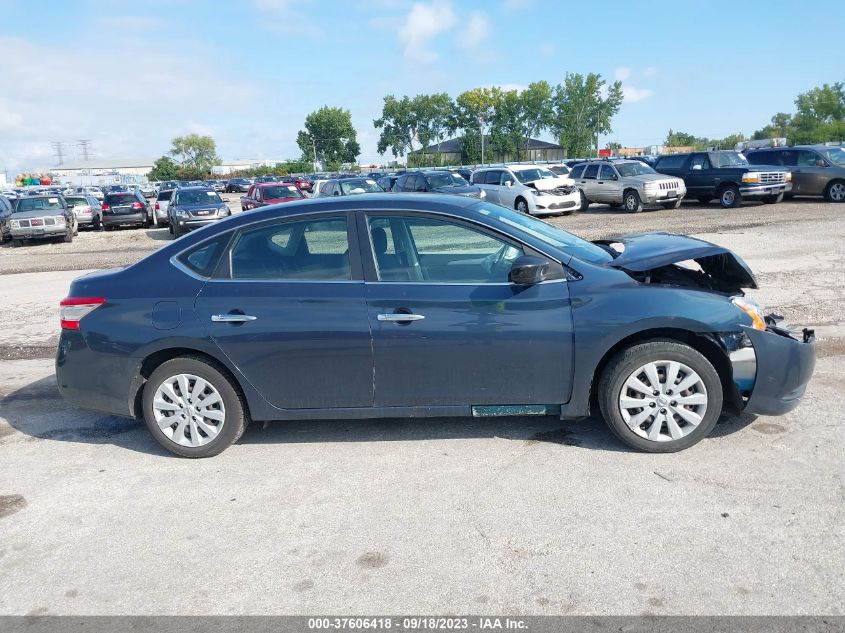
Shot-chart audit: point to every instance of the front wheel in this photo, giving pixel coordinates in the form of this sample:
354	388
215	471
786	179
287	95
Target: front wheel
192	408
632	202
585	204
660	396
835	191
522	206
97	226
68	236
730	197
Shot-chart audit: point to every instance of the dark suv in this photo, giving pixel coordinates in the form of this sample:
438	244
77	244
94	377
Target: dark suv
193	207
817	170
125	208
436	182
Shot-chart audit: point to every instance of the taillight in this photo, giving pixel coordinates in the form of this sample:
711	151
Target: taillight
105	208
72	309
157	206
137	205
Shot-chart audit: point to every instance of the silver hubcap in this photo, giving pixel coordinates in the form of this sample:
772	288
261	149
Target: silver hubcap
837	192
188	410
663	401
522	207
632	202
728	196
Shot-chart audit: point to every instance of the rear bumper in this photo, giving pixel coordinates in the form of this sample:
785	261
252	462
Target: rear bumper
784	368
123	220
92	380
761	191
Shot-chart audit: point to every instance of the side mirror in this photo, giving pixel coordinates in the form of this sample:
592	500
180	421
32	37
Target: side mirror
696	167
509	183
528	270
337	193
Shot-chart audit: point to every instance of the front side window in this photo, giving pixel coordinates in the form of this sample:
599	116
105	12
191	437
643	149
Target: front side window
316	250
606	173
438	251
727	159
636	168
700	161
530	175
577	171
591	172
807	158
835	155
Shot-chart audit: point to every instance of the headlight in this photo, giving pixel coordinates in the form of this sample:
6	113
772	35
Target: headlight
181	213
750	176
60	219
16	224
789	176
752	309
650	186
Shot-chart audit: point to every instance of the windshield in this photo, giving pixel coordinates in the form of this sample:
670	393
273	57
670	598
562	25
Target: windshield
560	170
354	186
835	155
633	169
445	180
727	159
39	204
117	200
72	202
530	175
559	239
281	191
202	196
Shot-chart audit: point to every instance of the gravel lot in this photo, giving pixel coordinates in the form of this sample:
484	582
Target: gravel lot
530	516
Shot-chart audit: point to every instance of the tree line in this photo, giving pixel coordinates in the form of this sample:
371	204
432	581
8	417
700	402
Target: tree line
575	112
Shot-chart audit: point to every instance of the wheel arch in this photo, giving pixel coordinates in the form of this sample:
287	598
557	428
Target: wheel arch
155	359
705	343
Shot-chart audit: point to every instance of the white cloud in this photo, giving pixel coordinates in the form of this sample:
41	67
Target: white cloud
649	71
424	22
477	30
622	73
10	117
632	94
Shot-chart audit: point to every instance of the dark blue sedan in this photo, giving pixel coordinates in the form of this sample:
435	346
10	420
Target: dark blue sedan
418	306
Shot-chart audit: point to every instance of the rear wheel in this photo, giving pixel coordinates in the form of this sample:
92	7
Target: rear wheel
632	202
68	236
96	225
660	396
585	204
730	197
192	408
773	199
835	191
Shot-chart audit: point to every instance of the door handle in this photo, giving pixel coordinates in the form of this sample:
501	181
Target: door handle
400	317
232	318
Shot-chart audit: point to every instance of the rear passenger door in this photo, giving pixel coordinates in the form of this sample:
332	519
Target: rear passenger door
588	181
287	308
607	185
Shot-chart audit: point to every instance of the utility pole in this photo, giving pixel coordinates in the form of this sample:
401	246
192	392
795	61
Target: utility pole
59	149
83	144
481	134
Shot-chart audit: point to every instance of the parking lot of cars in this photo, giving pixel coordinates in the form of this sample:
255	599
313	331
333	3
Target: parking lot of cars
539	516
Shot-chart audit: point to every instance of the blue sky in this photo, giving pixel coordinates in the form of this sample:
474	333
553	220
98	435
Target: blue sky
131	75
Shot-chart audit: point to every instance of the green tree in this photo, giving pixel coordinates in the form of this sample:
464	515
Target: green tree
474	110
820	115
163	169
506	129
330	135
433	117
195	152
580	113
398	126
536	102
781	126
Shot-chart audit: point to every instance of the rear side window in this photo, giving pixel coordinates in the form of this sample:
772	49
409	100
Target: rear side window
591	172
316	250
577	171
670	162
203	258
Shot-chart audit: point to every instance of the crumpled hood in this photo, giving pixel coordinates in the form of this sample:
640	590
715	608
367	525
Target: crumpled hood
648	251
547	184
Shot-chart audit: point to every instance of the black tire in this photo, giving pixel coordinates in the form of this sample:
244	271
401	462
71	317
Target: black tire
68	236
672	205
521	205
704	199
234	422
632	202
835	191
628	361
97	225
585	204
17	243
729	197
773	199
176	232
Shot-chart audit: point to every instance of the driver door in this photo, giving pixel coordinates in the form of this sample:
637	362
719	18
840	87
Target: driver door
469	336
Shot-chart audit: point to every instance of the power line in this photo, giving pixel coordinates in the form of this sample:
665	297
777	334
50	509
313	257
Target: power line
83	144
58	147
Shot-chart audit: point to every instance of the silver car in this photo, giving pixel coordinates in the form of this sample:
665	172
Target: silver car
42	217
87	210
530	189
628	183
160	214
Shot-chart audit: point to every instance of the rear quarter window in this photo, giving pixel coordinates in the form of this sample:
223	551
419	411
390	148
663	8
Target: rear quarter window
670	162
204	257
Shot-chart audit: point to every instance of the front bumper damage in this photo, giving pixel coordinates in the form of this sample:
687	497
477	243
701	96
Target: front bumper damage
771	368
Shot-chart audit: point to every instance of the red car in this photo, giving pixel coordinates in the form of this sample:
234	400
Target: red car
265	193
302	183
